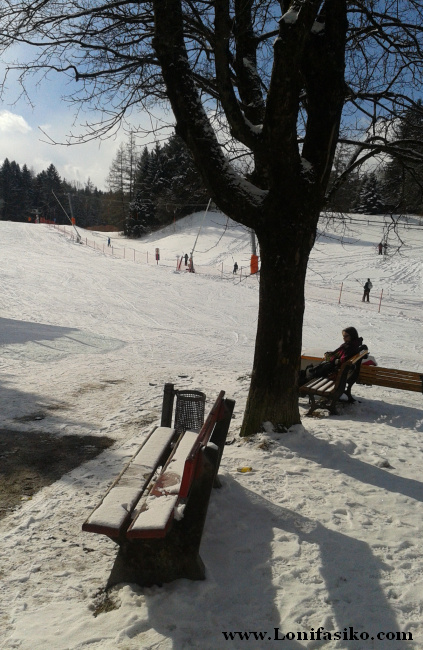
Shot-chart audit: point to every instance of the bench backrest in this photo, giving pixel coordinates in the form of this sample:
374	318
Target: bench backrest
203	438
352	366
348	371
391	378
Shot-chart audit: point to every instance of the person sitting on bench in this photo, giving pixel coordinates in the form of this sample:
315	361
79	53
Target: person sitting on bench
333	360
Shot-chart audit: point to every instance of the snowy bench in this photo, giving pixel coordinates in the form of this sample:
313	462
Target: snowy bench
330	389
156	509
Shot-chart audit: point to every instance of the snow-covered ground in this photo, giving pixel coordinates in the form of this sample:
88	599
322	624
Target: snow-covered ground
325	531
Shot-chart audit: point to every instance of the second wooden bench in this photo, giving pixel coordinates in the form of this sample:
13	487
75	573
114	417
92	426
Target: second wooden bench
330	389
391	378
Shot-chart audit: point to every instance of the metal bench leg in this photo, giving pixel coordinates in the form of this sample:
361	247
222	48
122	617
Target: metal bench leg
332	407
313	407
351	399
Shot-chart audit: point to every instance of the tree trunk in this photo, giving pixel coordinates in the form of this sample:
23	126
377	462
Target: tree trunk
284	258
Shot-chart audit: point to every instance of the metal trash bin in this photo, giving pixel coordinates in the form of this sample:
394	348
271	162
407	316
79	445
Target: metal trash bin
189	410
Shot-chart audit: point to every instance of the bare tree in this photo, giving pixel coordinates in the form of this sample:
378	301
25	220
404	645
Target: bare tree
287	81
121	177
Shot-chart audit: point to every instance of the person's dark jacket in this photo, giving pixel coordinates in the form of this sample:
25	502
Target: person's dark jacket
345	351
332	360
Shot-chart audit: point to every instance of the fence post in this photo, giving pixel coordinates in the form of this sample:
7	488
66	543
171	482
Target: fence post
380	301
340	293
240	275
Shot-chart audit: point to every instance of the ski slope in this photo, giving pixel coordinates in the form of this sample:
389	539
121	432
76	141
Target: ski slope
326	530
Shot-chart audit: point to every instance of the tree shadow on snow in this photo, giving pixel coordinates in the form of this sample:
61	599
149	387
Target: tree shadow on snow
331	456
25	409
45	343
254	563
238	593
392	413
13	332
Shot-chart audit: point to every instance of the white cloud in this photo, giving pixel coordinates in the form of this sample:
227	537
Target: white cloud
36	133
12	123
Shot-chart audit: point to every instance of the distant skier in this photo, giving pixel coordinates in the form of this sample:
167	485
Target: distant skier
235	267
380	248
368	285
186	259
108	241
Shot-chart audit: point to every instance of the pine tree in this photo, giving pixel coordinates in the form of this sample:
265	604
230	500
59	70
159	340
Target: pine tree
167	186
27	192
48	186
131	162
142	214
403	176
121	178
370	201
185	189
10	191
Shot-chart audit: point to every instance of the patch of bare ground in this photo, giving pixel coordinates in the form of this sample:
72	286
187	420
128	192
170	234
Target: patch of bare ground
31	460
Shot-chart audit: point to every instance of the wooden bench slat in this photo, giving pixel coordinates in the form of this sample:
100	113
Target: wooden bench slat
170	479
155	517
321	384
379	371
392	383
156	510
115	508
391	378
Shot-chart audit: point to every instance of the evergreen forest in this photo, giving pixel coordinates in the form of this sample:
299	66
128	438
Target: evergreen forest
26	196
149	189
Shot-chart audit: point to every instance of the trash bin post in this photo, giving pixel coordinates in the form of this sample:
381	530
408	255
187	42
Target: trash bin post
167	406
189	410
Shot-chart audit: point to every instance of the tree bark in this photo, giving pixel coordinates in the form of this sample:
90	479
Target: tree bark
284	195
273	395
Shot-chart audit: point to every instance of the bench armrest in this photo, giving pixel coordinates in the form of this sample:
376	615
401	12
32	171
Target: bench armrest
358	357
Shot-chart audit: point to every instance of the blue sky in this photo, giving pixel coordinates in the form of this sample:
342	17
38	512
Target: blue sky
22	126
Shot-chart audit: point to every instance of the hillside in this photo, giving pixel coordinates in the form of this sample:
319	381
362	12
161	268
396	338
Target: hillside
325	531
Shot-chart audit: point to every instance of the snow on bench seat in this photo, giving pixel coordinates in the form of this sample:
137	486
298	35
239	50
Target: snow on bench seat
156	511
116	506
155	517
